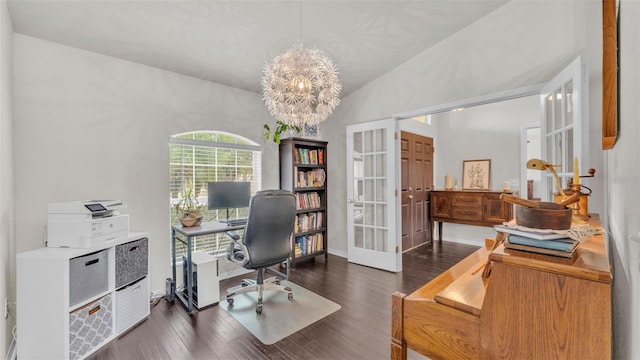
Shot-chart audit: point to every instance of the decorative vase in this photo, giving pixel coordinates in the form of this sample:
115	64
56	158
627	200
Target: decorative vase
448	182
191	218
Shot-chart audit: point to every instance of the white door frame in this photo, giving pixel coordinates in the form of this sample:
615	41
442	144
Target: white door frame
576	72
389	259
523	156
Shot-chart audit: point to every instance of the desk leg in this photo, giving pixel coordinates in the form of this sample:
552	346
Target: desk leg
189	283
173	260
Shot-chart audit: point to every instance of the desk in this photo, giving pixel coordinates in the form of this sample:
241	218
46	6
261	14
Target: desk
206	228
530	306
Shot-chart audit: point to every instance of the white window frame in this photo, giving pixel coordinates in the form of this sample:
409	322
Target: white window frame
215	244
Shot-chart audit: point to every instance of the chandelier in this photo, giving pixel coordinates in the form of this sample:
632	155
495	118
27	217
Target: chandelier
301	86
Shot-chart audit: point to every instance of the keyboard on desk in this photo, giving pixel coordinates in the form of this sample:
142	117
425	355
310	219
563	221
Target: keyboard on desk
236	222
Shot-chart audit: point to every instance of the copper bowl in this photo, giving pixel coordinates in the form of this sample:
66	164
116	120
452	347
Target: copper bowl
548	216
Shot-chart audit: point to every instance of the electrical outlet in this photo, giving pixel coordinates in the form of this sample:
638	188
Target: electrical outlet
515	183
6	307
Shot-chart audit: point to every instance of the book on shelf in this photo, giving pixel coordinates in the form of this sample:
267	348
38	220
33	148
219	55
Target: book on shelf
539	250
313	178
309	244
566	245
309	156
308	222
308	201
538	234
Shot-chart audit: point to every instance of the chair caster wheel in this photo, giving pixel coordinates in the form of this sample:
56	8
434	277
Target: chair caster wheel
259	309
290	297
230	301
277	282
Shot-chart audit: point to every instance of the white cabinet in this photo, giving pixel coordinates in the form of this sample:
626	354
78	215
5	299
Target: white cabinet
206	287
71	301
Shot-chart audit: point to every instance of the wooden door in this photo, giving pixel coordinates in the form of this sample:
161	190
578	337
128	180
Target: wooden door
416	159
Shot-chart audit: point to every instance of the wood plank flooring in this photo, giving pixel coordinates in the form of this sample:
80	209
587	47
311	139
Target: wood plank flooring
360	330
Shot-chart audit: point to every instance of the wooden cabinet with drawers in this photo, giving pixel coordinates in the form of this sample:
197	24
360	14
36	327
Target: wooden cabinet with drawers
480	208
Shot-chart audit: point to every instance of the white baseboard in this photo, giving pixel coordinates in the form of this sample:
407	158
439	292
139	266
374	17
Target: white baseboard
463	241
335	252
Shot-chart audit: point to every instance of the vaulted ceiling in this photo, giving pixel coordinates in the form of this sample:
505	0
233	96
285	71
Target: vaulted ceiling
228	42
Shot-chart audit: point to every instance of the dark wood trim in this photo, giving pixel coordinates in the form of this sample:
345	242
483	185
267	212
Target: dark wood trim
609	74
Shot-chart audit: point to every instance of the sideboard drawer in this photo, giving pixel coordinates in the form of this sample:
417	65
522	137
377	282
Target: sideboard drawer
466	200
463	213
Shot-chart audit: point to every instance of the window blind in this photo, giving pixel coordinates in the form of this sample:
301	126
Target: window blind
197	158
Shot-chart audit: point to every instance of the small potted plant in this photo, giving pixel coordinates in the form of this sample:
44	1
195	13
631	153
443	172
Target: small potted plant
188	207
278	130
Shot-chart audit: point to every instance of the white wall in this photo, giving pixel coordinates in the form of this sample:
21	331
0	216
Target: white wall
490	131
623	179
95	127
521	43
7	225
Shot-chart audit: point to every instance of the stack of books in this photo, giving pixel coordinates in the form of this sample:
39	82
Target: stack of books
541	242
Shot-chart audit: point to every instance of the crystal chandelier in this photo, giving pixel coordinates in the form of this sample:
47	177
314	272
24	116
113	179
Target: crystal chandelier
301	86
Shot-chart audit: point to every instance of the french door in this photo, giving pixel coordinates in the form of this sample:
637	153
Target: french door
565	126
371	195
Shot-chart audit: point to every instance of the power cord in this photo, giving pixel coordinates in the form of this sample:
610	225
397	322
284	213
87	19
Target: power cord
12	353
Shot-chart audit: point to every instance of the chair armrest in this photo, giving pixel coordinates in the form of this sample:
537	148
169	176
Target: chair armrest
233	235
235	245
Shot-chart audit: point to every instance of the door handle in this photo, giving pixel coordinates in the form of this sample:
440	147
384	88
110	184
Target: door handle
410	196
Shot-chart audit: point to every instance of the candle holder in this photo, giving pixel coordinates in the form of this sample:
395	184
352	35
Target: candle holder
580	208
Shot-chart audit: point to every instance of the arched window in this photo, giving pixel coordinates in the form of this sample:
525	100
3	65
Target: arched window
196	158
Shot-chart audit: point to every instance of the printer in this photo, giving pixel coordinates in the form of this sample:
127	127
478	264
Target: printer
86	223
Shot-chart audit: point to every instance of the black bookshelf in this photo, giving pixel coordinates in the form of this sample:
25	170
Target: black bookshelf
303	170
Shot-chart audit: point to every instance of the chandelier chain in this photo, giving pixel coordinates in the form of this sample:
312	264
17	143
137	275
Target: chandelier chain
300	22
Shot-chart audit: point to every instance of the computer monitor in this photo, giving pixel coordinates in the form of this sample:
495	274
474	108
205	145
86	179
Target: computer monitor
228	194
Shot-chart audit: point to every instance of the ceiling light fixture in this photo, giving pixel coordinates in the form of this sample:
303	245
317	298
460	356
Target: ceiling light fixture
301	85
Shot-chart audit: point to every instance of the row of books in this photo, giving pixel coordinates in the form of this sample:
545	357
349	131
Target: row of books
309	200
313	178
538	241
308	244
309	156
309	221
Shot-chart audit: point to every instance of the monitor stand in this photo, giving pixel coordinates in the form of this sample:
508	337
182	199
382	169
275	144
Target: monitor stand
233	222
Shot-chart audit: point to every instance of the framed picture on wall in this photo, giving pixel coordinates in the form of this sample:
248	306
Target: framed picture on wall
310	131
476	174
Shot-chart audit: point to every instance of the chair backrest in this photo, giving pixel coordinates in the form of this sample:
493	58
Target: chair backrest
267	233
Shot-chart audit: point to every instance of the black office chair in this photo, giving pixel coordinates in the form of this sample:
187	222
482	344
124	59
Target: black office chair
266	242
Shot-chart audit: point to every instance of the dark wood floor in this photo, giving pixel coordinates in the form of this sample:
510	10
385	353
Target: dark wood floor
360	330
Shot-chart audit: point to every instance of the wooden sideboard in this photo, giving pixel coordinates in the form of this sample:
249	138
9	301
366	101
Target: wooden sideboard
530	306
470	207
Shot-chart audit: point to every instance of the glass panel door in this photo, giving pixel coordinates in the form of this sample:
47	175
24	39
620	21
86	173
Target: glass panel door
370	195
564	127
